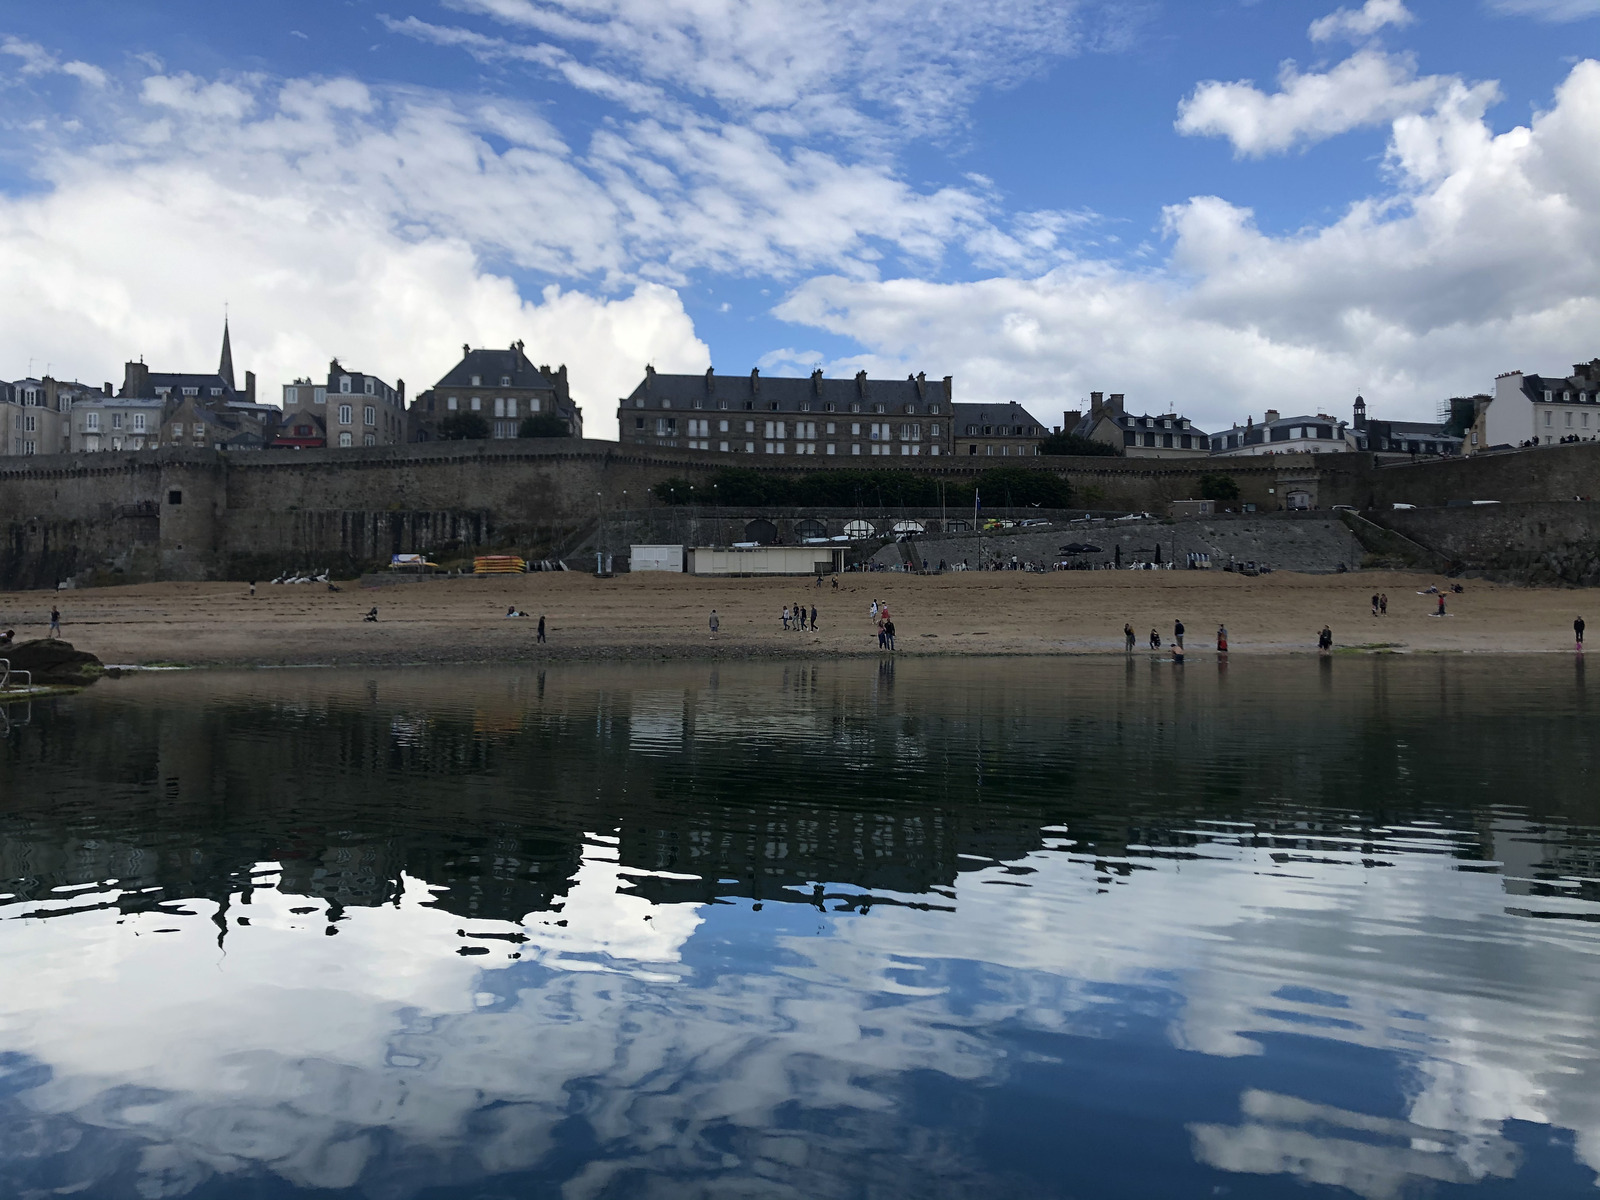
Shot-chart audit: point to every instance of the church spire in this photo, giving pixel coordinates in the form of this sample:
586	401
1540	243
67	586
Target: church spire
225	369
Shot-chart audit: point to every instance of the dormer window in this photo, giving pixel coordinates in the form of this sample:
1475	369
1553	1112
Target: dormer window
877	408
371	388
477	381
505	381
344	385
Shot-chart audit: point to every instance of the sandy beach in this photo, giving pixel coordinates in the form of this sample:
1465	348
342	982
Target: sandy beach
666	616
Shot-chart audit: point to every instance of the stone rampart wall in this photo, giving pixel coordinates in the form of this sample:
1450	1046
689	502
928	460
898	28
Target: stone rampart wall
192	514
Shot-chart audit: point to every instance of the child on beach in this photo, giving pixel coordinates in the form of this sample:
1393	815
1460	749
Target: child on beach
1222	639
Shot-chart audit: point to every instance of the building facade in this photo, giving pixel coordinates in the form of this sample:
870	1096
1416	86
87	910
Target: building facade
1396	439
1167	435
756	414
996	431
31	417
501	386
1539	410
352	408
1319	434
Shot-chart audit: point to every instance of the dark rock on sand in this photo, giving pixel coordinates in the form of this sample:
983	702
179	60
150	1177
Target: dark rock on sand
54	663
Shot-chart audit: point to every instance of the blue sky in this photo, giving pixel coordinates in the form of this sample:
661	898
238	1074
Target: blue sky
1214	207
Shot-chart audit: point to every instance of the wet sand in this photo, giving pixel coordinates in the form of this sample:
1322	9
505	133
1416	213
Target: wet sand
666	616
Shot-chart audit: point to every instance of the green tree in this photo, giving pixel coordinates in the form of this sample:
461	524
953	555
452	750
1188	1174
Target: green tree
543	425
463	427
673	491
1071	443
1220	487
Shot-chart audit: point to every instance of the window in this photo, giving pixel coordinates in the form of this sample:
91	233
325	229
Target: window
829	450
291	397
371	389
777	429
27	447
749	447
344	414
666	426
805	429
30	424
116	421
1586	420
933	430
855	447
1547	418
319	396
369	439
477	381
194	391
371	415
499	406
505	381
722	427
138	422
477	404
638	422
346	438
452	403
533	405
1569	420
91	422
177	429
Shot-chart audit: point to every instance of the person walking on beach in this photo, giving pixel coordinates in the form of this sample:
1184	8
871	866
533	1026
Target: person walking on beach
786	616
541	627
715	625
1222	639
1577	629
813	618
1440	613
55	621
888	632
1374	603
1383	604
1128	636
1325	640
252	589
874	610
1177	633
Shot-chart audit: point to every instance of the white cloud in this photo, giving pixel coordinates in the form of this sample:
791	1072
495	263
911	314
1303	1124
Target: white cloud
1485	257
36	60
1368	88
1548	10
811	66
1357	24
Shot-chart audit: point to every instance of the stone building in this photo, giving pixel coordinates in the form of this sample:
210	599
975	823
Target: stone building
199	409
32	420
351	408
1541	410
1394	439
1166	435
101	421
501	386
1001	430
756	414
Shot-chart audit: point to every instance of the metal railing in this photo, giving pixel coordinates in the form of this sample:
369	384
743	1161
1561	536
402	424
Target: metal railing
6	674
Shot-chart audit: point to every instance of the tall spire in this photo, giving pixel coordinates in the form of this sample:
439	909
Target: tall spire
225	368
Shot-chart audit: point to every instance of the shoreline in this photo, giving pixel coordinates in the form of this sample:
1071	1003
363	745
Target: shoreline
661	617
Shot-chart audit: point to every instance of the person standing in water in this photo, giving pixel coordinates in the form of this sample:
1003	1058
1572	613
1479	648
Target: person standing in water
1325	640
1177	633
541	628
1577	629
1128	636
1222	639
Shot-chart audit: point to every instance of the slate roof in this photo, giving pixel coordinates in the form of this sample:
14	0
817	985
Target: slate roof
1009	415
492	366
761	392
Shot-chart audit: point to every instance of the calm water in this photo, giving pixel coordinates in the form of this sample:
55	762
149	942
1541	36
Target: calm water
1073	929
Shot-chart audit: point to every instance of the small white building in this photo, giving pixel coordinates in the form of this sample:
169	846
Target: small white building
767	560
656	558
1320	434
1540	409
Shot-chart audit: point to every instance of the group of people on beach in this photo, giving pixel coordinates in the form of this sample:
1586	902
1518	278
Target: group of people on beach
879	612
798	618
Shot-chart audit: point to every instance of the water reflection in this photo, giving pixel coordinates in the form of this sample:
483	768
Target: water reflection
916	929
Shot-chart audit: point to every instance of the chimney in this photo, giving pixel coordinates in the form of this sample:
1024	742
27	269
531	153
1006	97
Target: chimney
1272	415
465	349
400	391
1096	403
250	386
135	379
816	382
949	390
922	385
861	384
1071	420
1115	404
755	381
108	391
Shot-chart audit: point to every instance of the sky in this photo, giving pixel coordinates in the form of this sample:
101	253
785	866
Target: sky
1215	207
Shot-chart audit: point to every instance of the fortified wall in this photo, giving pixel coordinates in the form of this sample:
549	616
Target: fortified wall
194	514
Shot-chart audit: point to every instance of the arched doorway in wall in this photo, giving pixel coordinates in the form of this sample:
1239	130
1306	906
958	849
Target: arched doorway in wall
762	531
810	527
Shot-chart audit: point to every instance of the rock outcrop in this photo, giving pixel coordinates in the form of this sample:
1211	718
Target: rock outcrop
54	663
